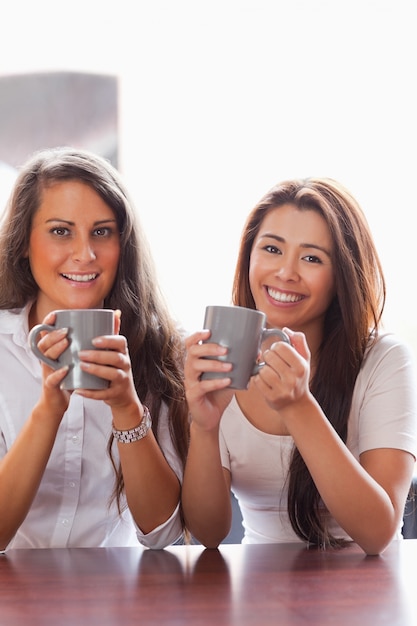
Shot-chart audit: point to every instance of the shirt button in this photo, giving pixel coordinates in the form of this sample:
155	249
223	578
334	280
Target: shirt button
75	439
65	522
72	484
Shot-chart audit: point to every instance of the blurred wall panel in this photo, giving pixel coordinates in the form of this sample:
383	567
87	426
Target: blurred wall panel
47	109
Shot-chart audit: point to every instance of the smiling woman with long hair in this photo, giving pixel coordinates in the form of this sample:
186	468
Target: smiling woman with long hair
69	474
321	446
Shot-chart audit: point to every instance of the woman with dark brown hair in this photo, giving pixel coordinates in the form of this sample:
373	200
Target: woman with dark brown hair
70	239
321	445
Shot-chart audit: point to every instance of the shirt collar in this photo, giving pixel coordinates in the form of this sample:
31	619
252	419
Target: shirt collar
16	322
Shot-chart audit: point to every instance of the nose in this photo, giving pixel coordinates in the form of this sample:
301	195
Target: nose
287	268
83	250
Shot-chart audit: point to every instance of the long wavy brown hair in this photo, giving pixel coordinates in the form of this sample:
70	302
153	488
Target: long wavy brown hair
351	322
155	343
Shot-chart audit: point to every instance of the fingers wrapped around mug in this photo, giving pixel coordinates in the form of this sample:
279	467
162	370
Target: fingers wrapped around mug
206	362
285	372
110	362
207	399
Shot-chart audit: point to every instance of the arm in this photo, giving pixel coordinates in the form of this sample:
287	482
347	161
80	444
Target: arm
206	487
366	498
152	487
22	468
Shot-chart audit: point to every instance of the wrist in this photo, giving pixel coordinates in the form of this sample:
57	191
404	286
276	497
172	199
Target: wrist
197	430
127	416
130	435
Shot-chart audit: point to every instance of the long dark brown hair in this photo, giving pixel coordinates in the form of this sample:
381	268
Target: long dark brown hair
155	343
351	322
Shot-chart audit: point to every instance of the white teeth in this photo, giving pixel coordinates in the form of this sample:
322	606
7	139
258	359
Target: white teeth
80	278
283	297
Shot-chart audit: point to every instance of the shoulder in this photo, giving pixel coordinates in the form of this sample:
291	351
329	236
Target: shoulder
390	348
384	403
389	364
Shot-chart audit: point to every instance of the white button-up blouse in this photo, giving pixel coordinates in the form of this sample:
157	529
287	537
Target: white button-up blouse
71	508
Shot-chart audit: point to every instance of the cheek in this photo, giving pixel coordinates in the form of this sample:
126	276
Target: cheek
261	270
255	278
116	255
40	254
113	259
326	285
252	276
254	270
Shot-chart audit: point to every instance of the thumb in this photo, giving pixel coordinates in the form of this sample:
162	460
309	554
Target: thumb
299	342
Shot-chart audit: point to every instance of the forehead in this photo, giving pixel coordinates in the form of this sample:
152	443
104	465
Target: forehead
296	225
74	200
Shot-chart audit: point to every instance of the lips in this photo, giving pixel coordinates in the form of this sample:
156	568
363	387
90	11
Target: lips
80	278
280	296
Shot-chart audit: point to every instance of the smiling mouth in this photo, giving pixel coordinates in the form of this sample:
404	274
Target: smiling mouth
80	278
279	296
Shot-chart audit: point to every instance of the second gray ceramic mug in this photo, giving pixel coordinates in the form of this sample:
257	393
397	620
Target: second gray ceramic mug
243	332
83	326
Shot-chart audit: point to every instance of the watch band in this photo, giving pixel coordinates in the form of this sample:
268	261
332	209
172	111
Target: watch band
137	433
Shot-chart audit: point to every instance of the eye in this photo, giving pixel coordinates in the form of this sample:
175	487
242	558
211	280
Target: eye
103	231
272	249
311	258
60	231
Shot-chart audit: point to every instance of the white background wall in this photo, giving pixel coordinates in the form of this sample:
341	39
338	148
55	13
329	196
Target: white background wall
222	99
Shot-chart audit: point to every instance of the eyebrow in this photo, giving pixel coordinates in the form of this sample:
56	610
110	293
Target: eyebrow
302	245
60	219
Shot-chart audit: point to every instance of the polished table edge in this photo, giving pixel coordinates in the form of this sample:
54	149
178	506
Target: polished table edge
234	585
226	548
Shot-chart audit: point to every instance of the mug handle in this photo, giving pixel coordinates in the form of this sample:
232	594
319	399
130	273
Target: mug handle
270	332
33	343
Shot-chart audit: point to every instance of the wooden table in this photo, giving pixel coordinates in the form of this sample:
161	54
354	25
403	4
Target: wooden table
186	585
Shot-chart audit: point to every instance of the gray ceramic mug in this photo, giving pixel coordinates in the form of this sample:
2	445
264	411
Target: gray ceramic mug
243	332
83	326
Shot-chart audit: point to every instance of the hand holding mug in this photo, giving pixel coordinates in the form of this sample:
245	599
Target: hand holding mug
83	326
243	332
